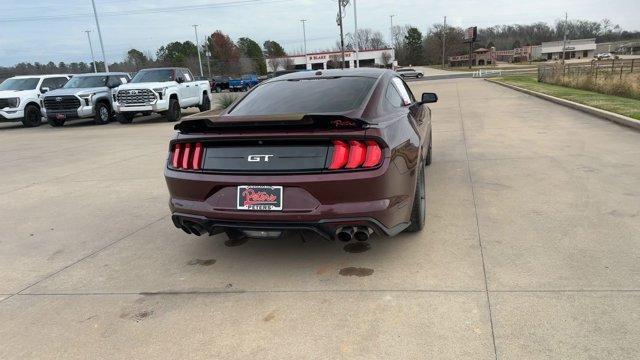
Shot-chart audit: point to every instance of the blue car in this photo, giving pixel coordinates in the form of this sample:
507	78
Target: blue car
245	82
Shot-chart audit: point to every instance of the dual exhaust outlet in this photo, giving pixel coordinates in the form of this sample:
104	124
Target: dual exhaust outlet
347	233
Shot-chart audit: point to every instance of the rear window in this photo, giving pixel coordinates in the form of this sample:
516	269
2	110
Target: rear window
306	96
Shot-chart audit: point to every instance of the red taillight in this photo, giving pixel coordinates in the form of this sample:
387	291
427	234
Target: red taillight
374	154
355	154
187	156
197	157
340	155
177	150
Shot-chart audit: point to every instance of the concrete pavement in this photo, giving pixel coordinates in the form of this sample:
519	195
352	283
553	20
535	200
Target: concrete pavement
531	250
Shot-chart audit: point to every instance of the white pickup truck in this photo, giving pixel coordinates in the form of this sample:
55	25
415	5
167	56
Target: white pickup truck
163	90
20	97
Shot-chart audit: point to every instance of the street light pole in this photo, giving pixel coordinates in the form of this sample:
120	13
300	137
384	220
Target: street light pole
444	40
104	57
93	59
391	31
195	29
356	38
304	36
341	32
208	54
564	41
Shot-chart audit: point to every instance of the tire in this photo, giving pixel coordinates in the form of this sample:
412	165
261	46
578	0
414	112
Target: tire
125	118
419	209
102	114
427	160
175	112
218	89
55	122
32	116
420	75
206	103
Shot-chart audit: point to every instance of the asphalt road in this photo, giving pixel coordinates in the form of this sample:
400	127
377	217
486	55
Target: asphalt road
531	250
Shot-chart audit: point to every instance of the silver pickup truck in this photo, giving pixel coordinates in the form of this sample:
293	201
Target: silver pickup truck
84	96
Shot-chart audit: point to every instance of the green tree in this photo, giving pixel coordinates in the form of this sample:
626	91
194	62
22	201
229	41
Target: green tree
413	41
177	53
136	59
252	50
273	49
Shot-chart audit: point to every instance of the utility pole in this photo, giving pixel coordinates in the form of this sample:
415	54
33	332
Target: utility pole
95	14
304	37
564	41
93	59
356	37
195	29
444	40
341	32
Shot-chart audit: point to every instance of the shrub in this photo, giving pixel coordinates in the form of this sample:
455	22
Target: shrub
223	101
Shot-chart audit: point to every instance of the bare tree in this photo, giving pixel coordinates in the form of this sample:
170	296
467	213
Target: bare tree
274	63
386	59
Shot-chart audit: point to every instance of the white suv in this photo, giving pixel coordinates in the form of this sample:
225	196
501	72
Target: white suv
20	97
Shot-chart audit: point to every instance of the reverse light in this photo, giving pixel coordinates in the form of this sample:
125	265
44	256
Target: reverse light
187	156
355	154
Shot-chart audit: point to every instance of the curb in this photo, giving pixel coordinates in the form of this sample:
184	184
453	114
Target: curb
604	114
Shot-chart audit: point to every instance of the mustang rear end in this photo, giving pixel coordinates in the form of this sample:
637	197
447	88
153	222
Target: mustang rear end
342	164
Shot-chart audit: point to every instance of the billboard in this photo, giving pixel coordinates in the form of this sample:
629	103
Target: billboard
471	34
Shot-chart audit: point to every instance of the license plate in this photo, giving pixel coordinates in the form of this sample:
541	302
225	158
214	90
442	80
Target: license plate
257	197
61	116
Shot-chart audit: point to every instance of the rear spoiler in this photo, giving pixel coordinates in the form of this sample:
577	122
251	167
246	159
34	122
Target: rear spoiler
203	122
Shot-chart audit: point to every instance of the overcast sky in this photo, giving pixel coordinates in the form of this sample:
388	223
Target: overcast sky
44	30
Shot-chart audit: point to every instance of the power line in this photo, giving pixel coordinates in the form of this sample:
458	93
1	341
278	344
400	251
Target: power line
142	11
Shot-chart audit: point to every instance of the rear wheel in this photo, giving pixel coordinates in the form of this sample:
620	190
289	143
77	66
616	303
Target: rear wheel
419	76
174	113
32	116
218	89
125	118
419	210
103	114
55	122
206	103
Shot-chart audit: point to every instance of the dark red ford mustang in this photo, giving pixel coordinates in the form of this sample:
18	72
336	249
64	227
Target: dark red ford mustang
338	152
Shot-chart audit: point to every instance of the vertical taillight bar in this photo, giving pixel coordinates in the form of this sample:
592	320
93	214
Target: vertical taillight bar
197	156
177	149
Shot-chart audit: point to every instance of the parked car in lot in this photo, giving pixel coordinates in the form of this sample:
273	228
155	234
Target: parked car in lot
20	97
245	82
219	83
338	152
84	96
161	90
606	56
409	72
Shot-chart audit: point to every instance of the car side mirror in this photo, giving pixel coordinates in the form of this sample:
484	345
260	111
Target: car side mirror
180	80
428	98
44	89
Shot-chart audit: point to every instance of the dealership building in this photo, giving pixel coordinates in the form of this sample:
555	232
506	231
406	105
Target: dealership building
574	49
331	59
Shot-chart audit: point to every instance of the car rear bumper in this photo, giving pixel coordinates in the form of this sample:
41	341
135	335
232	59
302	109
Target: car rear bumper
326	228
380	199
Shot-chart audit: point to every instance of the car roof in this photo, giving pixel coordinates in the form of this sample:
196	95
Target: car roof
101	74
315	74
39	76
